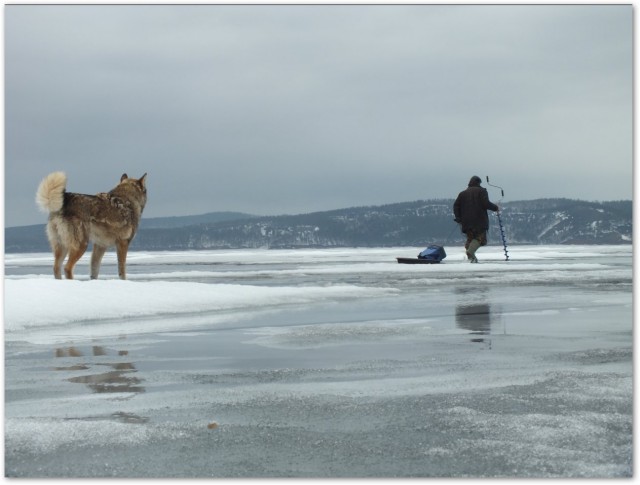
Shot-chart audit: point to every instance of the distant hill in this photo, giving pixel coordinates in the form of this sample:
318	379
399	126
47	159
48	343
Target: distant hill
566	221
181	221
33	238
417	223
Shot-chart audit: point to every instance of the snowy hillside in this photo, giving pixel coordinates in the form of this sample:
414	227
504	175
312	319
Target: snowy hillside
418	223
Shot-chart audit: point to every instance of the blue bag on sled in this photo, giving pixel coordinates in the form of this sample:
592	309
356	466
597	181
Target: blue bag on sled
433	253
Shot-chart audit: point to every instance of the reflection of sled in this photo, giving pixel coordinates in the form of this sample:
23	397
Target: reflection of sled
417	261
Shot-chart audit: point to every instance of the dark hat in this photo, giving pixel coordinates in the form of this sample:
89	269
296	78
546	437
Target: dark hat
475	181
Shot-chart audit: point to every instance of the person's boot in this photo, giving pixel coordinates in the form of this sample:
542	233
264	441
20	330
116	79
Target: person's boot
471	251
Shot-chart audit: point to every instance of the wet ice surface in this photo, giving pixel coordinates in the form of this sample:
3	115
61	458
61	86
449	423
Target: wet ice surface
322	363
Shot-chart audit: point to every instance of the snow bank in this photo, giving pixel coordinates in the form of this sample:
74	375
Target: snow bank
200	286
337	255
37	302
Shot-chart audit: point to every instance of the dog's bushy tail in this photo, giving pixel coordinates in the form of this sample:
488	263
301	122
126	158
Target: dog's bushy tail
50	194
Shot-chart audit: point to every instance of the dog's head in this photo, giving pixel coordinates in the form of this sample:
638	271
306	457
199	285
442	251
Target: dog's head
137	187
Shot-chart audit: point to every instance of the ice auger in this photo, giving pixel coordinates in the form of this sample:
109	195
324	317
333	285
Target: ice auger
502	234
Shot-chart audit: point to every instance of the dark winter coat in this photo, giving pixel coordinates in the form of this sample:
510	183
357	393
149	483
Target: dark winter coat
470	209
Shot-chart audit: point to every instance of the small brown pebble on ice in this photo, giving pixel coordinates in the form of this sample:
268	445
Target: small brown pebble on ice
212	425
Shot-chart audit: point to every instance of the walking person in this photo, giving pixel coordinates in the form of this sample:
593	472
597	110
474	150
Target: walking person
470	211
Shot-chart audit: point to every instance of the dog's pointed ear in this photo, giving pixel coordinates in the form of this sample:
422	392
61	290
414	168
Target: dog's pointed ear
143	181
124	177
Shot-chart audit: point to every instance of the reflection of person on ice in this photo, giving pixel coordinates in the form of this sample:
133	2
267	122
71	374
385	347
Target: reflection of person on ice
470	211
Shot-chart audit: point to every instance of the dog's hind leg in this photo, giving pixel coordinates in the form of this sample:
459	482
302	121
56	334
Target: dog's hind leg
122	246
74	255
59	253
96	259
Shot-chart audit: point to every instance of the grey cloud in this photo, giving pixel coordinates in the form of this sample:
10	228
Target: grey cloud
272	109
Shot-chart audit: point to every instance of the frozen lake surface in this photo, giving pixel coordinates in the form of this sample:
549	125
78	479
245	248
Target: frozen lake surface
322	363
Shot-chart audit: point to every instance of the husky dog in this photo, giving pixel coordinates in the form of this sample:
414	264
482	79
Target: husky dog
106	219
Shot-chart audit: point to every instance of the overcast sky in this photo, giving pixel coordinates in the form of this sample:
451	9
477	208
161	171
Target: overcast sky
297	108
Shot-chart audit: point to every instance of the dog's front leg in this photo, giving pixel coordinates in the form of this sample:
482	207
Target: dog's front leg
122	246
96	259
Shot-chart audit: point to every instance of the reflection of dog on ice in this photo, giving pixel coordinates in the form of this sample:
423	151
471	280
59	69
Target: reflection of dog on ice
107	219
